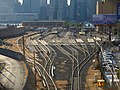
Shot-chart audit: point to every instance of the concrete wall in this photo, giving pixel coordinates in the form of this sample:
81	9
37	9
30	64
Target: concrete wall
11	31
12	54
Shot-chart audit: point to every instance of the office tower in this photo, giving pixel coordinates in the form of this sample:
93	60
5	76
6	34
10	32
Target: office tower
72	10
53	10
31	6
58	10
91	9
81	14
68	13
43	10
62	10
10	12
43	2
18	7
27	6
78	10
35	6
7	6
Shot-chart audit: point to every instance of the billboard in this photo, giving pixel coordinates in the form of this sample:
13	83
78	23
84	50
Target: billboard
118	11
104	19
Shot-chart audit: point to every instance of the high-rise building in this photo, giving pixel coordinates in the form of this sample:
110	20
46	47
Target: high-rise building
10	12
68	13
7	6
81	10
31	6
62	10
27	6
43	2
91	9
78	10
35	6
53	9
107	6
43	10
72	10
18	7
58	10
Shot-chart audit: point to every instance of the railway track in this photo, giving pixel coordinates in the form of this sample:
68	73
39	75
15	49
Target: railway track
38	65
48	53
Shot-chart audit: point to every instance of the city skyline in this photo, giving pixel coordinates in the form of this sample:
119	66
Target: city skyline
77	11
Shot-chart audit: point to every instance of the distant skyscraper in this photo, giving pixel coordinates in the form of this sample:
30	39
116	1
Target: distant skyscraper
35	6
72	10
7	6
91	9
31	6
18	7
43	2
81	10
27	6
43	10
58	10
62	10
78	10
53	9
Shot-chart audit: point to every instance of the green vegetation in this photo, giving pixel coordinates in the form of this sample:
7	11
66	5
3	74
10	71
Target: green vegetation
118	74
119	34
73	24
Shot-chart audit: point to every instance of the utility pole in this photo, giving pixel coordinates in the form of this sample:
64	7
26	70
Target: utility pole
112	77
23	40
95	42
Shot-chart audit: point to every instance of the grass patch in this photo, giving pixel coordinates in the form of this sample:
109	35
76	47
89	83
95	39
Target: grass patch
118	74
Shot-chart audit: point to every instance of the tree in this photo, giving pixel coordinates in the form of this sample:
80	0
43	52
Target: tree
67	25
119	34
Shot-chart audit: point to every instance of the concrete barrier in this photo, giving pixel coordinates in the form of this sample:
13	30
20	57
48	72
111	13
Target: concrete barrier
11	31
30	82
12	54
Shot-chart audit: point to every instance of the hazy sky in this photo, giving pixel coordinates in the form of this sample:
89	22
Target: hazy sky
22	1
